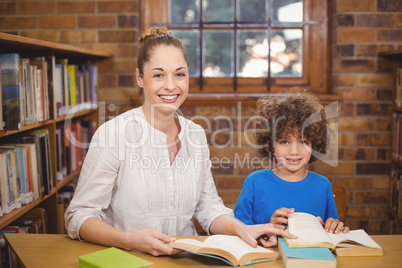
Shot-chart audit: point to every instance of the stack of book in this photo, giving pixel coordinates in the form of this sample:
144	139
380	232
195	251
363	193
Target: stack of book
38	89
315	247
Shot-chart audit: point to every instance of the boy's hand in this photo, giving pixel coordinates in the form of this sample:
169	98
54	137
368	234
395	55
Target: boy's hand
333	226
280	217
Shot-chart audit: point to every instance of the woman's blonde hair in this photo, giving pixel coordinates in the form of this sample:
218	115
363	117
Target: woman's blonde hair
153	38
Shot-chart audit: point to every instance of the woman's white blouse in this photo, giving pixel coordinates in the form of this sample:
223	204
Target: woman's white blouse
128	182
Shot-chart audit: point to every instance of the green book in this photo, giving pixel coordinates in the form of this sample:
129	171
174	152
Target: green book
111	257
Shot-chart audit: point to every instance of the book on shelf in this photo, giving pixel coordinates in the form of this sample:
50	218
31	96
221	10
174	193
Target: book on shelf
10	82
1	103
40	82
395	198
21	171
111	257
306	257
39	216
231	249
311	233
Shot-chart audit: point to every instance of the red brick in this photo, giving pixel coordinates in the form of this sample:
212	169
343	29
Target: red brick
215	110
370	197
389	35
355	5
374	80
117	7
37	7
389	5
8	8
356	154
357	94
118	65
117	36
375	20
347	109
343	80
107	80
342	168
78	37
355	35
231	182
372	49
380	109
373	139
384	124
356	124
45	35
358	211
126	80
346	50
372	168
346	139
383	66
17	23
398	22
75	7
354	182
96	21
381	183
128	21
126	50
359	65
384	95
59	22
345	19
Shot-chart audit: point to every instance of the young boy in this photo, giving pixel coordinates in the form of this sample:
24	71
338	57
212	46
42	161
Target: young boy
292	132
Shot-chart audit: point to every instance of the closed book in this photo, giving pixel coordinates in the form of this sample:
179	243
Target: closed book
111	257
309	257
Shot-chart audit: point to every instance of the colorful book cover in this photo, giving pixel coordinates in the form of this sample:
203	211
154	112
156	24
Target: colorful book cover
72	79
11	90
111	257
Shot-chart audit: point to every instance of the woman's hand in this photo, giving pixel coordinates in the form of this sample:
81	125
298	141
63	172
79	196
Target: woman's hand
151	241
333	225
280	217
264	233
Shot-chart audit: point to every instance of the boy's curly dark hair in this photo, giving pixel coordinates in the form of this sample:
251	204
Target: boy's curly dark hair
282	115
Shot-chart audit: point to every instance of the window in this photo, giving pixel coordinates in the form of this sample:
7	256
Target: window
228	42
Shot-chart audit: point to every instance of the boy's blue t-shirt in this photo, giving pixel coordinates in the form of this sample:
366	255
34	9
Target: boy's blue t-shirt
263	193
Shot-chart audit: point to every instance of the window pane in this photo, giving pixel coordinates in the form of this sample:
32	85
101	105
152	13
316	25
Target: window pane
286	53
218	53
191	40
218	10
287	10
251	10
252	53
184	11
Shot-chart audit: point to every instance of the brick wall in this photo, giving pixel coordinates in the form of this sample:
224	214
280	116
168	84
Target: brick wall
360	29
111	26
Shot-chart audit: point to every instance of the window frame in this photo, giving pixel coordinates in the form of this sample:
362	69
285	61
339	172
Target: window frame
316	55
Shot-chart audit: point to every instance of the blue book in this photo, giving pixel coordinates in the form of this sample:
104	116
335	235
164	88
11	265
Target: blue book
305	256
10	79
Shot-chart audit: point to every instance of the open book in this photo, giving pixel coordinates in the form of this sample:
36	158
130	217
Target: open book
231	249
311	234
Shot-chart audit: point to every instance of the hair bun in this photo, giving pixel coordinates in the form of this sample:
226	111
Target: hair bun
152	32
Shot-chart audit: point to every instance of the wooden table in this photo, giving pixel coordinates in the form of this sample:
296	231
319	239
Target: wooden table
52	250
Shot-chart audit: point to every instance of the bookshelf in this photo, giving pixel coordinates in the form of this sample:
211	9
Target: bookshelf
32	48
395	196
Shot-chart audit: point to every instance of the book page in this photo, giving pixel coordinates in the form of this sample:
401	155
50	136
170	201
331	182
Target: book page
195	242
234	244
308	228
357	236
